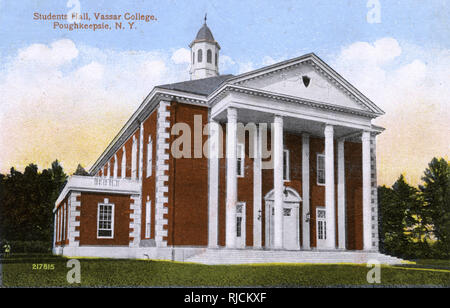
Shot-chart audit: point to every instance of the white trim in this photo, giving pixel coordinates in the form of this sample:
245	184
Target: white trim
306	212
366	189
213	180
231	178
141	150
105	203
98	184
277	152
320	155
319	65
134	159
341	195
123	169
115	166
257	190
161	177
329	186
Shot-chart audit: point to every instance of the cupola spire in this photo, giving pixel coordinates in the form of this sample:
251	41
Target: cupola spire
204	54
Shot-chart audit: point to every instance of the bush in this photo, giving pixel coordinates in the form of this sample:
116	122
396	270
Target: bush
27	246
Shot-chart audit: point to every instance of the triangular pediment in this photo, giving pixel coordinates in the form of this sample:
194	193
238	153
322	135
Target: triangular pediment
307	78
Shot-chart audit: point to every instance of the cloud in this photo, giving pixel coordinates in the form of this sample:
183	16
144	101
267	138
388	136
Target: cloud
181	56
67	101
411	84
56	54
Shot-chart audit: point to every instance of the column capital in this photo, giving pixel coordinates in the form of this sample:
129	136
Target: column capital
231	113
328	129
278	119
365	136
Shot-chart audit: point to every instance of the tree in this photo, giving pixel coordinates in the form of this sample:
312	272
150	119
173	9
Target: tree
27	201
400	218
436	193
81	171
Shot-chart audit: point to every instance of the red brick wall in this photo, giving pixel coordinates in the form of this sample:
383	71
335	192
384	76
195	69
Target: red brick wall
188	190
293	143
148	183
353	193
88	219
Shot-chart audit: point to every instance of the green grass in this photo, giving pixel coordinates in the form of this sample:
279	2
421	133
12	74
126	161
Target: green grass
18	271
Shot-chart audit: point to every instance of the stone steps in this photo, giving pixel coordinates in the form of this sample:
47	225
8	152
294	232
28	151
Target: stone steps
237	256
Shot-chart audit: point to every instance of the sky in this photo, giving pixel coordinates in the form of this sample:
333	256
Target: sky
65	94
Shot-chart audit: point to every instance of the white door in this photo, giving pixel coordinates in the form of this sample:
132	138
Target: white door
321	227
290	226
240	225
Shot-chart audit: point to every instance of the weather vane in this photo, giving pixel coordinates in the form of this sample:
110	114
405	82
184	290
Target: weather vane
205	17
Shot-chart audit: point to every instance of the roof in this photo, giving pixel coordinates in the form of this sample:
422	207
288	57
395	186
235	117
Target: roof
203	86
204	34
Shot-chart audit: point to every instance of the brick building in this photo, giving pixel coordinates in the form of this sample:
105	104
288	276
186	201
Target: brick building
225	168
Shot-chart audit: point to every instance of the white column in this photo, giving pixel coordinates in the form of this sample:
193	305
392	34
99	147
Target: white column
134	159
257	190
123	169
141	149
366	190
108	170
230	227
341	195
115	166
305	190
277	150
329	187
213	208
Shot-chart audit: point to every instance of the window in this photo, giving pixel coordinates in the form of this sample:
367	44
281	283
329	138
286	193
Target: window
105	220
240	159
149	156
286	211
322	232
193	57
148	220
286	167
215	59
320	169
238	226
199	55
209	56
321	225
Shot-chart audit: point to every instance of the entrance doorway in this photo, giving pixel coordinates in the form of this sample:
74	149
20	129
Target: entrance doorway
291	221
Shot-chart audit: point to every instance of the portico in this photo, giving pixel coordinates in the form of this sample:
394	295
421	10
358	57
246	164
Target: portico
267	118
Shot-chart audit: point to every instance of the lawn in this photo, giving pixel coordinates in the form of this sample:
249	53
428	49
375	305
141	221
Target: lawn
18	271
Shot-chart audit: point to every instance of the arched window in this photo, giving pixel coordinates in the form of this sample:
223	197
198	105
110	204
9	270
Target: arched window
215	59
149	156
199	55
209	56
193	58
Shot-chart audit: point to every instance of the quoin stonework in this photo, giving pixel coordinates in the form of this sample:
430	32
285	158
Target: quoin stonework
276	164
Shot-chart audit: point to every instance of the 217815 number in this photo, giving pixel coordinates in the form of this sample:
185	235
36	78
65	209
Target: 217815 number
43	266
